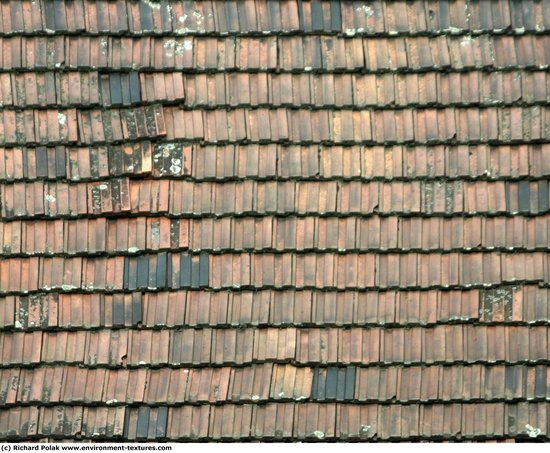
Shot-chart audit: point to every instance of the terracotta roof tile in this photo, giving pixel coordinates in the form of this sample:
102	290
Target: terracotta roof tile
296	220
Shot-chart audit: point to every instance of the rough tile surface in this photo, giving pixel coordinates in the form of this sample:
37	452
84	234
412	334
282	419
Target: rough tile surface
292	220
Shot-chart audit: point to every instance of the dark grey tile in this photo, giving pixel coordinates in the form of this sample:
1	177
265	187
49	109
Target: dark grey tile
524	194
118	310
162	259
185	270
543	196
203	270
115	88
135	90
143	422
317	15
162	421
335	15
142	271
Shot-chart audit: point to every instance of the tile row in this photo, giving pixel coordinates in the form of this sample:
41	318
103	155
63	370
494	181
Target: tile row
155	271
315	16
445	344
77	163
287	53
32	422
89	88
289	233
25	127
210	162
278	421
301	126
517	304
357	90
271	382
45	89
269	270
312	421
61	199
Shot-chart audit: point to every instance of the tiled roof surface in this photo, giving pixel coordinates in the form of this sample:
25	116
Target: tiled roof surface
274	220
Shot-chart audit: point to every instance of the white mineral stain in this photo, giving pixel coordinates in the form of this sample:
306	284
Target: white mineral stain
367	10
532	431
151	4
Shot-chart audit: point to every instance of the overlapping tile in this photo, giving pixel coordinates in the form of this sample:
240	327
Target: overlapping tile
300	220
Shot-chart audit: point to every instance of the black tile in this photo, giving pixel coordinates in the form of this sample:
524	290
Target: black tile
162	258
331	383
341	384
543	196
135	90
301	15
143	422
60	163
203	270
60	15
317	15
349	392
443	14
142	271
231	15
146	14
116	89
126	275
132	274
540	381
49	12
137	308
335	15
524	194
41	162
162	422
169	282
185	270
118	310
